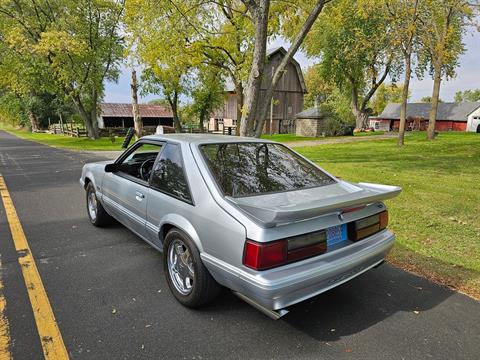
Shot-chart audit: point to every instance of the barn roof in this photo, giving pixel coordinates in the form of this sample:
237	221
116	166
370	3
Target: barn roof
295	63
446	111
230	86
125	110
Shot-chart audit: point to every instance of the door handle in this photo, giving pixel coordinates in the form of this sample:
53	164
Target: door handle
139	196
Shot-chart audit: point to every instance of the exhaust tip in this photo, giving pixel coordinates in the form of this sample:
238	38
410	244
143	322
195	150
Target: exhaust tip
272	314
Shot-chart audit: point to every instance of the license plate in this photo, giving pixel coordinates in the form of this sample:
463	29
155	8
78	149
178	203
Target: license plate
336	234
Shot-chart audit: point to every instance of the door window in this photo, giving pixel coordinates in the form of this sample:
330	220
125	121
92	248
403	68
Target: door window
168	175
139	162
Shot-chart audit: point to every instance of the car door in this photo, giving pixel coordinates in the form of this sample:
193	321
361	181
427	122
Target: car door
125	191
169	190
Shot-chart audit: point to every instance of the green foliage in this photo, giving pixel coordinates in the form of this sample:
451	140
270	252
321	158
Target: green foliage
385	94
353	39
354	42
444	23
319	89
436	232
61	47
428	99
467	95
208	93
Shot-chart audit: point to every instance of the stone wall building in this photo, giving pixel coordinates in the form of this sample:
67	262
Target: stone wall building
310	122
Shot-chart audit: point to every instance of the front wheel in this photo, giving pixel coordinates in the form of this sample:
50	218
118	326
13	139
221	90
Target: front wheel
188	279
96	213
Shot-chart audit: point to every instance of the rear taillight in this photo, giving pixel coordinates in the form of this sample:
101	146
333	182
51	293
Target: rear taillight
362	228
261	256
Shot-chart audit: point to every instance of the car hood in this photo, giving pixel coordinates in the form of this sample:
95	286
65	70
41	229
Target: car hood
290	206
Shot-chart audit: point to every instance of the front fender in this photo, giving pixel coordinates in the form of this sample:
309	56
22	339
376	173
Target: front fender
183	224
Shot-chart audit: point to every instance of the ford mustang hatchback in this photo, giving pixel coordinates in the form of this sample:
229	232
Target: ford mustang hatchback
248	214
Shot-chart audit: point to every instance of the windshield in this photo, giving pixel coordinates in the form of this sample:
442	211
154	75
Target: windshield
244	169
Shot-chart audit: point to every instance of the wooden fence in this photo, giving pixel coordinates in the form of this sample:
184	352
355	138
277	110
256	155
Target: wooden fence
68	129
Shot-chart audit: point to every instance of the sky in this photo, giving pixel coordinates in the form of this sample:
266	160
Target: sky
468	76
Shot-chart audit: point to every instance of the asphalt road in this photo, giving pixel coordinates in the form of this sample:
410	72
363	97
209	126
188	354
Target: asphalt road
107	291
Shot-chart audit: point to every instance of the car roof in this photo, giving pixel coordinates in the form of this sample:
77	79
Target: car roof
203	138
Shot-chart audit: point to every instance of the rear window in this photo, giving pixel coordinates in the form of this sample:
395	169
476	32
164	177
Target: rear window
244	169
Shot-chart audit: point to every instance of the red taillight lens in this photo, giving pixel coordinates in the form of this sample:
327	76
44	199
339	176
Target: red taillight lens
261	256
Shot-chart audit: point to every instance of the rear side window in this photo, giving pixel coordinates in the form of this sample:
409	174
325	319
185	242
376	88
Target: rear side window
168	174
244	169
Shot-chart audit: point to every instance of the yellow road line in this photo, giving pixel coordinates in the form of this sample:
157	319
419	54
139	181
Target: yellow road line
5	353
50	336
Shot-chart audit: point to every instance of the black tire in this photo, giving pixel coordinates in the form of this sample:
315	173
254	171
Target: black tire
205	289
102	218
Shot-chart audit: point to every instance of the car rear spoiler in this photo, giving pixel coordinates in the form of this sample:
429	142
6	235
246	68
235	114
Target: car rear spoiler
260	209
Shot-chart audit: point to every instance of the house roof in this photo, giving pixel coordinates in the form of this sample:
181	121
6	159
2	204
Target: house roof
125	110
311	113
446	111
230	87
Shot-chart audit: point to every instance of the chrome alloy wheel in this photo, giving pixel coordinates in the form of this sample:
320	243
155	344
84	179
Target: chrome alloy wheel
92	206
180	266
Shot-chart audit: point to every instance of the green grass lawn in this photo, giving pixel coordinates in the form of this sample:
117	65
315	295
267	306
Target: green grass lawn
292	137
436	217
372	133
63	141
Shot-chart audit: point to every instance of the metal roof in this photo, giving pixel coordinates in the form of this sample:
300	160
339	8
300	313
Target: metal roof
125	110
311	113
446	111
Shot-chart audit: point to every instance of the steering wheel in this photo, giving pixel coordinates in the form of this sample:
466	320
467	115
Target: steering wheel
146	169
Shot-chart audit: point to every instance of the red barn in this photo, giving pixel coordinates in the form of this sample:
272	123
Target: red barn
462	116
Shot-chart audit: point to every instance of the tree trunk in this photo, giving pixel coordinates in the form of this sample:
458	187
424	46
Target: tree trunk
93	114
361	116
259	12
86	117
137	120
403	108
33	121
173	101
201	120
279	70
239	93
437	79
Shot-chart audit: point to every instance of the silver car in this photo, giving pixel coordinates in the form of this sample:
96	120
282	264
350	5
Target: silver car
248	214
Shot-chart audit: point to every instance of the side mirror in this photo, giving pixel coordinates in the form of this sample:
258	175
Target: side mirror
111	168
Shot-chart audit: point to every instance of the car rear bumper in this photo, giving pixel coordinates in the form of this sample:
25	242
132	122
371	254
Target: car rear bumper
287	285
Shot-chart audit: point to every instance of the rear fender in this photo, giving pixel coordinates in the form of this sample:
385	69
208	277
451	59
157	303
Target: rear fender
182	224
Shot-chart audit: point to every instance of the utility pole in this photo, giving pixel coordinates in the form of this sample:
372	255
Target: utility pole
271	107
137	120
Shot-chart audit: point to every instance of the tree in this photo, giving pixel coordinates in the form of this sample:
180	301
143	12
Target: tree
169	82
444	22
385	94
254	114
405	19
207	94
467	95
327	96
428	99
218	34
75	46
354	41
318	88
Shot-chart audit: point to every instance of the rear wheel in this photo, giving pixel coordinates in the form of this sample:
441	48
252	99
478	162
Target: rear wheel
96	213
188	279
